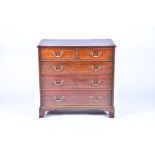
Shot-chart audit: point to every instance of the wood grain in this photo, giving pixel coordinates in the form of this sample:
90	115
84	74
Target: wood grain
76	68
87	54
76	43
50	54
76	82
76	97
76	74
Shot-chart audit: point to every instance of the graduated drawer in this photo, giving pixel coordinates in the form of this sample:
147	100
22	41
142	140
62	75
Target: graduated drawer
57	53
76	82
76	68
95	54
76	97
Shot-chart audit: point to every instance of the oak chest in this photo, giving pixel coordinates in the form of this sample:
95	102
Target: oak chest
76	74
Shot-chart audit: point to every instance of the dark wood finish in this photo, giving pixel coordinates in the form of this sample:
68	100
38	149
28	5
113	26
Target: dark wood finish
95	54
76	82
76	43
57	54
76	97
76	68
76	74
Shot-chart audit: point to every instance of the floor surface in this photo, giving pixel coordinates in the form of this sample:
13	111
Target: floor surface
130	132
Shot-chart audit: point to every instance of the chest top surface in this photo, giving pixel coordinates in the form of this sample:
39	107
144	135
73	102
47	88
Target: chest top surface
76	43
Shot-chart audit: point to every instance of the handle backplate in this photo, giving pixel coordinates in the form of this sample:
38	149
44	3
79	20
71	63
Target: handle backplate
58	98
96	54
58	54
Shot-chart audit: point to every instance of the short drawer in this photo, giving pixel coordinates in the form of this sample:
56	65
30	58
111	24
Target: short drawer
57	53
76	82
76	68
95	54
76	97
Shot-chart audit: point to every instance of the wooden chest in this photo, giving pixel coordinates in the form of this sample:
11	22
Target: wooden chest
76	74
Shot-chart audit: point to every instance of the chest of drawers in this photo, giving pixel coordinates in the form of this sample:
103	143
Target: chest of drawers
76	74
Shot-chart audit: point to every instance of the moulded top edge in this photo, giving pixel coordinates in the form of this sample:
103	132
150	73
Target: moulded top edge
76	42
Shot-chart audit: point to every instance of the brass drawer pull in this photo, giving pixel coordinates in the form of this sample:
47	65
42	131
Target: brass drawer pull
95	54
58	82
96	82
95	98
58	98
58	54
95	68
58	68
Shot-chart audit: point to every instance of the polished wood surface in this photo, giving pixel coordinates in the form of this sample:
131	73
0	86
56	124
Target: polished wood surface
76	74
76	43
57	54
95	54
76	68
76	82
76	97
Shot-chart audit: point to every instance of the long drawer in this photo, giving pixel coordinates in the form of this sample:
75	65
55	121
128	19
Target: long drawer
76	82
76	97
76	68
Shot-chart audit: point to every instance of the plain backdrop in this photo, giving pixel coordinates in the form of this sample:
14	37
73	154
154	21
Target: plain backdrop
131	25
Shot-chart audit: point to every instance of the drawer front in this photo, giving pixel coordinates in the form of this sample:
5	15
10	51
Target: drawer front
76	97
95	54
76	68
57	53
76	82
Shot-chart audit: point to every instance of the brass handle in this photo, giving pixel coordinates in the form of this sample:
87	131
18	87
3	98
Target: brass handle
95	98
95	54
95	68
58	54
58	68
59	82
58	98
96	82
